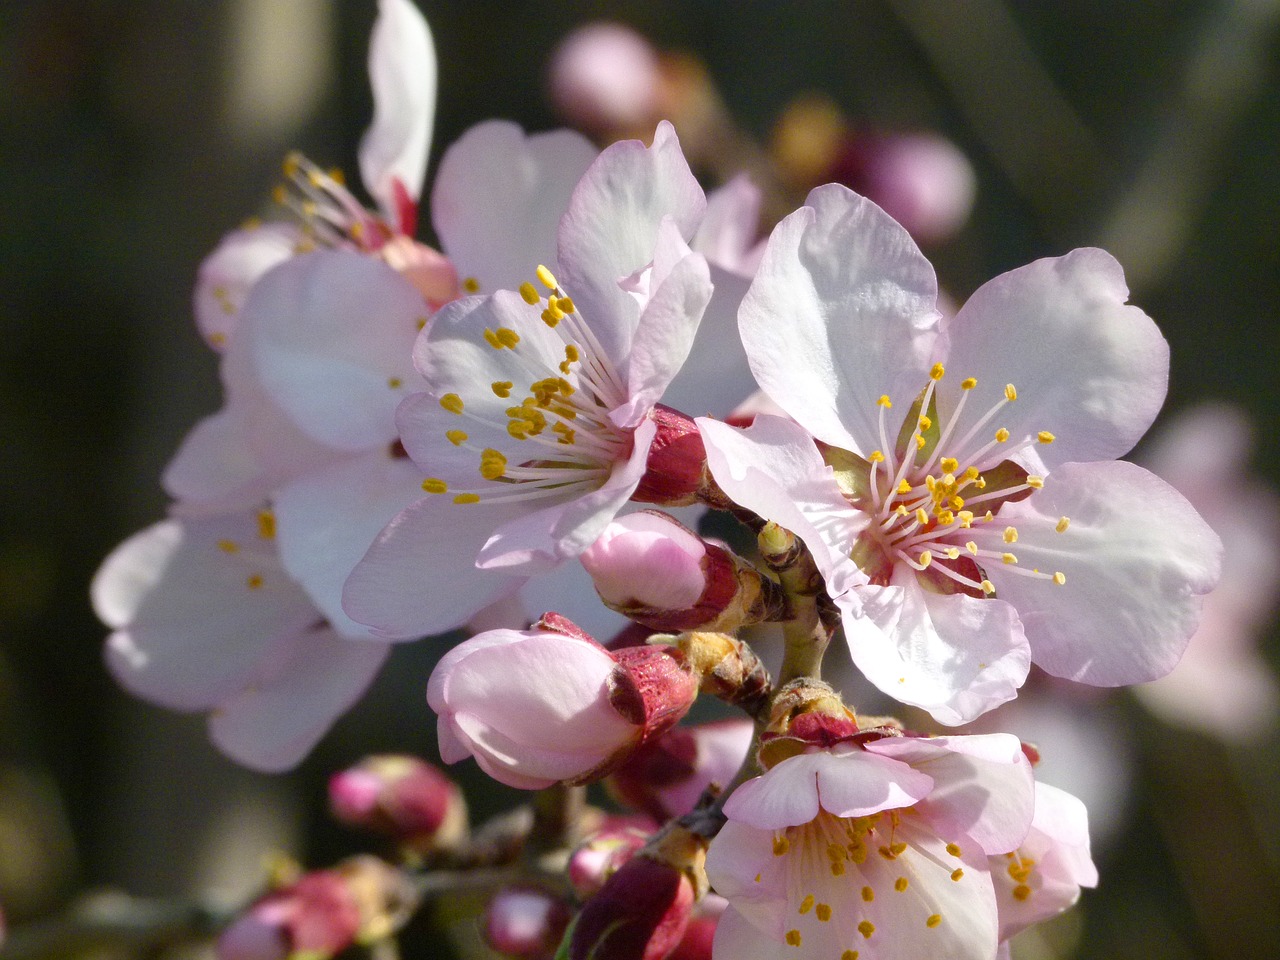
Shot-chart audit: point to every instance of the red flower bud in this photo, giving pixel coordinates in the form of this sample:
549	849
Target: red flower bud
526	923
677	461
641	913
402	797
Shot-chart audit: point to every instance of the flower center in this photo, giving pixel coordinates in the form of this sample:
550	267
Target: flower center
558	435
934	497
331	215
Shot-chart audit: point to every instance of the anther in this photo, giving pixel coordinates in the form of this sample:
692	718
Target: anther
953	849
1010	534
876	457
866	928
884	401
467	498
546	277
823	913
949	464
868	894
968	383
529	293
926	558
1034	482
1044	436
904	487
807	903
1002	435
1010	392
900	884
925	423
988	587
956	874
1063	523
1008	558
456	437
1059	578
254	582
933	921
937	372
434	485
502	388
471	285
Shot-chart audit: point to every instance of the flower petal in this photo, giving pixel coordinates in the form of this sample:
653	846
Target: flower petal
841	312
715	378
1088	368
402	72
225	276
1137	559
498	197
952	655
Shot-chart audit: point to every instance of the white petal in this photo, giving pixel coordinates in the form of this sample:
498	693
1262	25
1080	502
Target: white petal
402	72
955	656
498	197
841	312
235	265
274	722
715	378
1088	369
331	335
1137	559
728	233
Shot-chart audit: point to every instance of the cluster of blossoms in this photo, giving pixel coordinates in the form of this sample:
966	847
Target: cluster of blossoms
417	440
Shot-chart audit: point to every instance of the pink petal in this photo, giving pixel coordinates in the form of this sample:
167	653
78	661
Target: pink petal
1137	559
235	265
1088	368
841	311
715	377
402	72
728	234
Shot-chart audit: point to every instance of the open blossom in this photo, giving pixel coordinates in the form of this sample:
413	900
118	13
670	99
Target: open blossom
963	503
538	418
872	850
535	707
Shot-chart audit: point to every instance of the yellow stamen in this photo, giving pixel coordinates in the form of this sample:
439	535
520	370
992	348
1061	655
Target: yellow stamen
566	305
1010	534
988	587
921	517
937	372
435	485
866	928
780	845
956	874
884	401
1044	436
925	423
451	402
807	903
933	921
1063	523
968	383
546	277
1021	892
492	464
900	884
1034	482
467	498
456	437
471	285
876	457
502	388
508	338
949	464
953	849
254	582
529	293
395	383
926	558
868	894
1008	558
1059	578
228	546
823	913
793	938
1002	435
1010	392
266	525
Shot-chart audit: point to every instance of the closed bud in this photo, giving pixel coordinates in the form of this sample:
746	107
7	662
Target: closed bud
605	79
701	932
643	910
402	797
666	777
526	923
674	472
600	856
656	571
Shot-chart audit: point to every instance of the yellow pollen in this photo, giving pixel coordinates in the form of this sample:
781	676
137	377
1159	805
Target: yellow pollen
897	848
920	442
866	928
422	322
957	503
956	874
926	558
1002	435
518	429
266	525
471	285
1059	578
988	587
925	423
884	401
900	884
508	338
254	582
467	498
972	547
837	868
451	402
823	913
571	353
546	277
933	921
953	849
949	464
566	305
228	546
550	319
904	487
1010	534
970	474
793	938
921	517
901	510
876	457
780	846
868	894
502	388
968	383
553	309
492	464
218	339
849	955
1021	892
395	383
434	485
953	553
1063	523
529	293
1008	558
966	518
1010	392
456	437
807	903
1044	436
937	372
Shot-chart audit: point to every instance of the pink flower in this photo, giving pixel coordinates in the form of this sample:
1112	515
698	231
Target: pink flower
537	421
535	707
964	508
873	850
402	797
605	76
1204	453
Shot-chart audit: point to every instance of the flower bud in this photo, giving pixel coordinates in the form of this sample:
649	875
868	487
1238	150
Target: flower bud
600	856
656	571
643	910
604	78
665	777
701	932
539	706
525	922
677	461
402	797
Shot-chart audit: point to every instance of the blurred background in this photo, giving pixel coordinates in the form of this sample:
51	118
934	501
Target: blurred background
134	133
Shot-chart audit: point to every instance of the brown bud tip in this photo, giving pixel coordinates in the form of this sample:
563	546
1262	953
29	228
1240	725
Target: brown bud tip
674	470
641	913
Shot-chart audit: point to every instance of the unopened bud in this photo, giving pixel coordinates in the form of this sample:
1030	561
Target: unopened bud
656	571
701	932
727	667
677	461
402	797
604	79
643	910
666	777
525	922
600	856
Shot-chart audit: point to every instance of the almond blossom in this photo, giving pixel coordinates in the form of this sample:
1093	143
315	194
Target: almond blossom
962	501
865	849
538	417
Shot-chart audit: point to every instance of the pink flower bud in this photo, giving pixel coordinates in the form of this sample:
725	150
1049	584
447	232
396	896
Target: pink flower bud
539	706
525	923
402	797
641	913
665	777
600	856
701	932
674	472
317	915
604	77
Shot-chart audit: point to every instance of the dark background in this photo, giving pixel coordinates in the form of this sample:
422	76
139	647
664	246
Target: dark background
134	133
